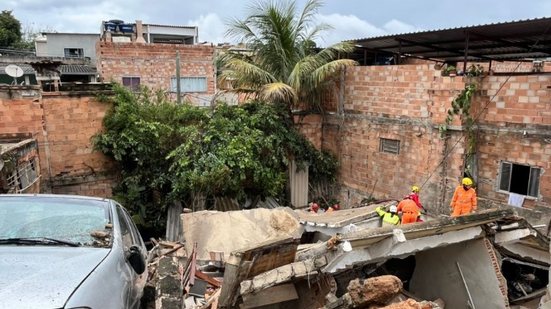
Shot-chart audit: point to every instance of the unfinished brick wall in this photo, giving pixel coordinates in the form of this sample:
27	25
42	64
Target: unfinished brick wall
408	103
403	103
63	124
155	64
515	128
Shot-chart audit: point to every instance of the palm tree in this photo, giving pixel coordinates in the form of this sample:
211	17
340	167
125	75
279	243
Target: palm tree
284	65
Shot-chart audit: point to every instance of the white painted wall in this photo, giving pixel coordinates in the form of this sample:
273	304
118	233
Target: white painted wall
436	276
57	42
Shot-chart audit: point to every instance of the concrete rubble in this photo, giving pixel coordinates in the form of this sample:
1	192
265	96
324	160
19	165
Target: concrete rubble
283	258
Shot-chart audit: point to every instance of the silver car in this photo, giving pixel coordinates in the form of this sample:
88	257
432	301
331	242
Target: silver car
66	251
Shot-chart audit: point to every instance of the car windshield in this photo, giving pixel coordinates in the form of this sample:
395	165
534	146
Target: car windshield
63	219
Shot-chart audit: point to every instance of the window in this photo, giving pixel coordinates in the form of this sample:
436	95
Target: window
24	176
74	53
520	179
126	233
389	145
189	84
132	83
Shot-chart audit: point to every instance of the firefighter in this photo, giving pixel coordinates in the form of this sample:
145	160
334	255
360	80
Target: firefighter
414	196
464	199
390	218
409	210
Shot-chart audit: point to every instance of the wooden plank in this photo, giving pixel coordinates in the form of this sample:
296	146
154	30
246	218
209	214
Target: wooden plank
199	274
273	295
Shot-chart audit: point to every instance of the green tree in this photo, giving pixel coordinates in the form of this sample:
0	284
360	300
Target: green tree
10	29
284	66
169	152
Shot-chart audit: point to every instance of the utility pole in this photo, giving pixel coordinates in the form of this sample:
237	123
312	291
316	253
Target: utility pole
178	98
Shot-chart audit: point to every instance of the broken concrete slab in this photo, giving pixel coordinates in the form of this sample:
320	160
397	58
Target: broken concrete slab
249	262
230	231
283	274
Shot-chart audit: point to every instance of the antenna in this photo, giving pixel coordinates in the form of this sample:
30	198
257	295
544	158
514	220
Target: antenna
14	71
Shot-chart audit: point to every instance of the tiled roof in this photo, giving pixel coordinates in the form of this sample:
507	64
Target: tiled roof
77	69
27	69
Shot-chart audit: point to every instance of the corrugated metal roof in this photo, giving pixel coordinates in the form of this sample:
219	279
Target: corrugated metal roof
498	41
27	69
77	69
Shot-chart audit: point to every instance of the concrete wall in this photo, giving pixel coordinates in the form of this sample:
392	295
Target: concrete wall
63	124
155	64
436	275
57	42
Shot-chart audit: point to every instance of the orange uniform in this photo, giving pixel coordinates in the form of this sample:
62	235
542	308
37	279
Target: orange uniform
409	210
463	201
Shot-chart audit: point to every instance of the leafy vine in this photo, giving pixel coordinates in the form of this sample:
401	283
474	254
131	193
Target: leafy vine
461	106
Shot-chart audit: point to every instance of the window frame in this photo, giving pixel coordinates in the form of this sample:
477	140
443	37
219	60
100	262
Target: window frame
531	174
67	54
183	78
132	86
386	149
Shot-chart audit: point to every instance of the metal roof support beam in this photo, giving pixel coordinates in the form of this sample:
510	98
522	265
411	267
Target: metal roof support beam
449	50
466	52
530	48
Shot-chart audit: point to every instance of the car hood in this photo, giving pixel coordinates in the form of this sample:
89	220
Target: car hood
44	276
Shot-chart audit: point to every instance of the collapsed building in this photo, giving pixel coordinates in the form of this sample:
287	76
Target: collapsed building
284	258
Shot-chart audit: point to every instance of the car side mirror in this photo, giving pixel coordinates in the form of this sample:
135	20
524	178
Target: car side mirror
136	259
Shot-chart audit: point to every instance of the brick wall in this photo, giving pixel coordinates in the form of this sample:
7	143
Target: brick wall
63	124
408	103
515	128
403	103
155	64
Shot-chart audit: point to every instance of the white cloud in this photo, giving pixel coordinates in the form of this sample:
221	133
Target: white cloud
211	28
349	27
395	27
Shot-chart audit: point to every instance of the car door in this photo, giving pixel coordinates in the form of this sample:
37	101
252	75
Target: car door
131	237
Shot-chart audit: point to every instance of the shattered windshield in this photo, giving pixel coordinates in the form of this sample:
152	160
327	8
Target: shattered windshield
66	219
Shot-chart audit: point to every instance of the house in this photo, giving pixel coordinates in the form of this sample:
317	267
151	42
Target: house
28	78
387	123
147	55
121	32
67	45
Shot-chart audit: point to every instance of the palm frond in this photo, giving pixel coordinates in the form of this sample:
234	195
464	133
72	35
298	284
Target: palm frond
243	74
278	93
329	69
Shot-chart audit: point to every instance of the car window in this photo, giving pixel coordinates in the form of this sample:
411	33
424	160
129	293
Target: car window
63	218
126	233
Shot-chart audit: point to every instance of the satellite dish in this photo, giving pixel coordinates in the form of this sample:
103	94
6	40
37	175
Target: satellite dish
14	70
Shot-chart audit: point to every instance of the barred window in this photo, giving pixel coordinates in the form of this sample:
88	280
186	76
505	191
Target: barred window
24	176
389	145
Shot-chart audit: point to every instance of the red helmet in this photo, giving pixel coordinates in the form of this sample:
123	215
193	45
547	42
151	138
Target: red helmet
336	207
314	207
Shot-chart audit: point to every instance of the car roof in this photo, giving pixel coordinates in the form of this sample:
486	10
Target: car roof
68	196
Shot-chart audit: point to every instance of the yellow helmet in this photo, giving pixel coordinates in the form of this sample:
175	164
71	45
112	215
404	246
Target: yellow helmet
467	181
415	189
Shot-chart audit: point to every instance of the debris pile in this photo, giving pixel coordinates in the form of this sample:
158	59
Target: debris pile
346	259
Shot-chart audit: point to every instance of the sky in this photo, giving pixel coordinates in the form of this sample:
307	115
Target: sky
349	19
